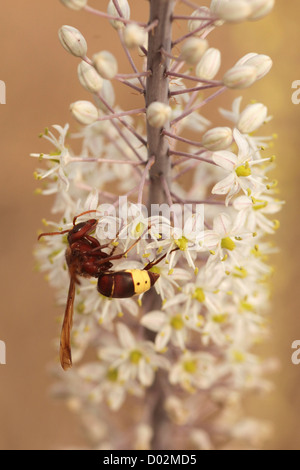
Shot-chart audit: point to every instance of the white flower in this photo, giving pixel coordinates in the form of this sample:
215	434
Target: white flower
170	324
133	359
239	167
59	159
255	211
169	281
227	240
104	384
182	241
206	292
193	371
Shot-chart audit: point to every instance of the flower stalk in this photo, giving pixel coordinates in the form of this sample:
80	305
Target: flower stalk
181	208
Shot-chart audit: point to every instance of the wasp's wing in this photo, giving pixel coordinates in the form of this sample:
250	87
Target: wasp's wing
65	339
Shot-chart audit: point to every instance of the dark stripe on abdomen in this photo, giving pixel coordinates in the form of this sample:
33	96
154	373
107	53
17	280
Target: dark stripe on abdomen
118	285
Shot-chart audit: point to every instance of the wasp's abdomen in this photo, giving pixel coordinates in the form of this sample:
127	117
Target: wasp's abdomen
123	284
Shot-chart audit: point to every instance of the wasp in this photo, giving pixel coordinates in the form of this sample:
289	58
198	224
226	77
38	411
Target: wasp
85	257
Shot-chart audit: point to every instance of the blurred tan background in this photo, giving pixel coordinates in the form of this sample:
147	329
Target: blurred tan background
41	83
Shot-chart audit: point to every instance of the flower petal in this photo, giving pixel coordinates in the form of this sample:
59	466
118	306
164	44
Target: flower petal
211	239
225	159
145	373
242	203
224	186
163	337
242	144
154	320
222	224
126	338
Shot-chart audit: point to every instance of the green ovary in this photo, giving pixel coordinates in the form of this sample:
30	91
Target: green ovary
112	375
177	323
243	170
199	295
190	366
228	244
182	243
135	356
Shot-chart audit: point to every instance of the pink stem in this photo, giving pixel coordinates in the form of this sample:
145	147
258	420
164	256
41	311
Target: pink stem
89	9
190	90
132	75
182	139
118	115
192	33
130	128
195	108
195	79
193	156
105	160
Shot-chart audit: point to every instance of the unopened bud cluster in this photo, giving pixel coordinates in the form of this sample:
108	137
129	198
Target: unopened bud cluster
241	10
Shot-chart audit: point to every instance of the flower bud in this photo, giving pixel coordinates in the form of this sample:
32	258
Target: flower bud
108	94
158	114
232	11
252	118
74	4
246	57
195	24
193	49
141	53
209	65
134	36
105	64
89	77
84	112
219	138
262	63
125	9
240	76
260	8
73	41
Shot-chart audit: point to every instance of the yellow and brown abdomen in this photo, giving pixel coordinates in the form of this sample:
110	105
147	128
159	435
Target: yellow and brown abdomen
124	284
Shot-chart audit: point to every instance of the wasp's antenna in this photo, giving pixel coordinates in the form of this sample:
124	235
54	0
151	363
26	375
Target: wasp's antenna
83	213
153	263
52	233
